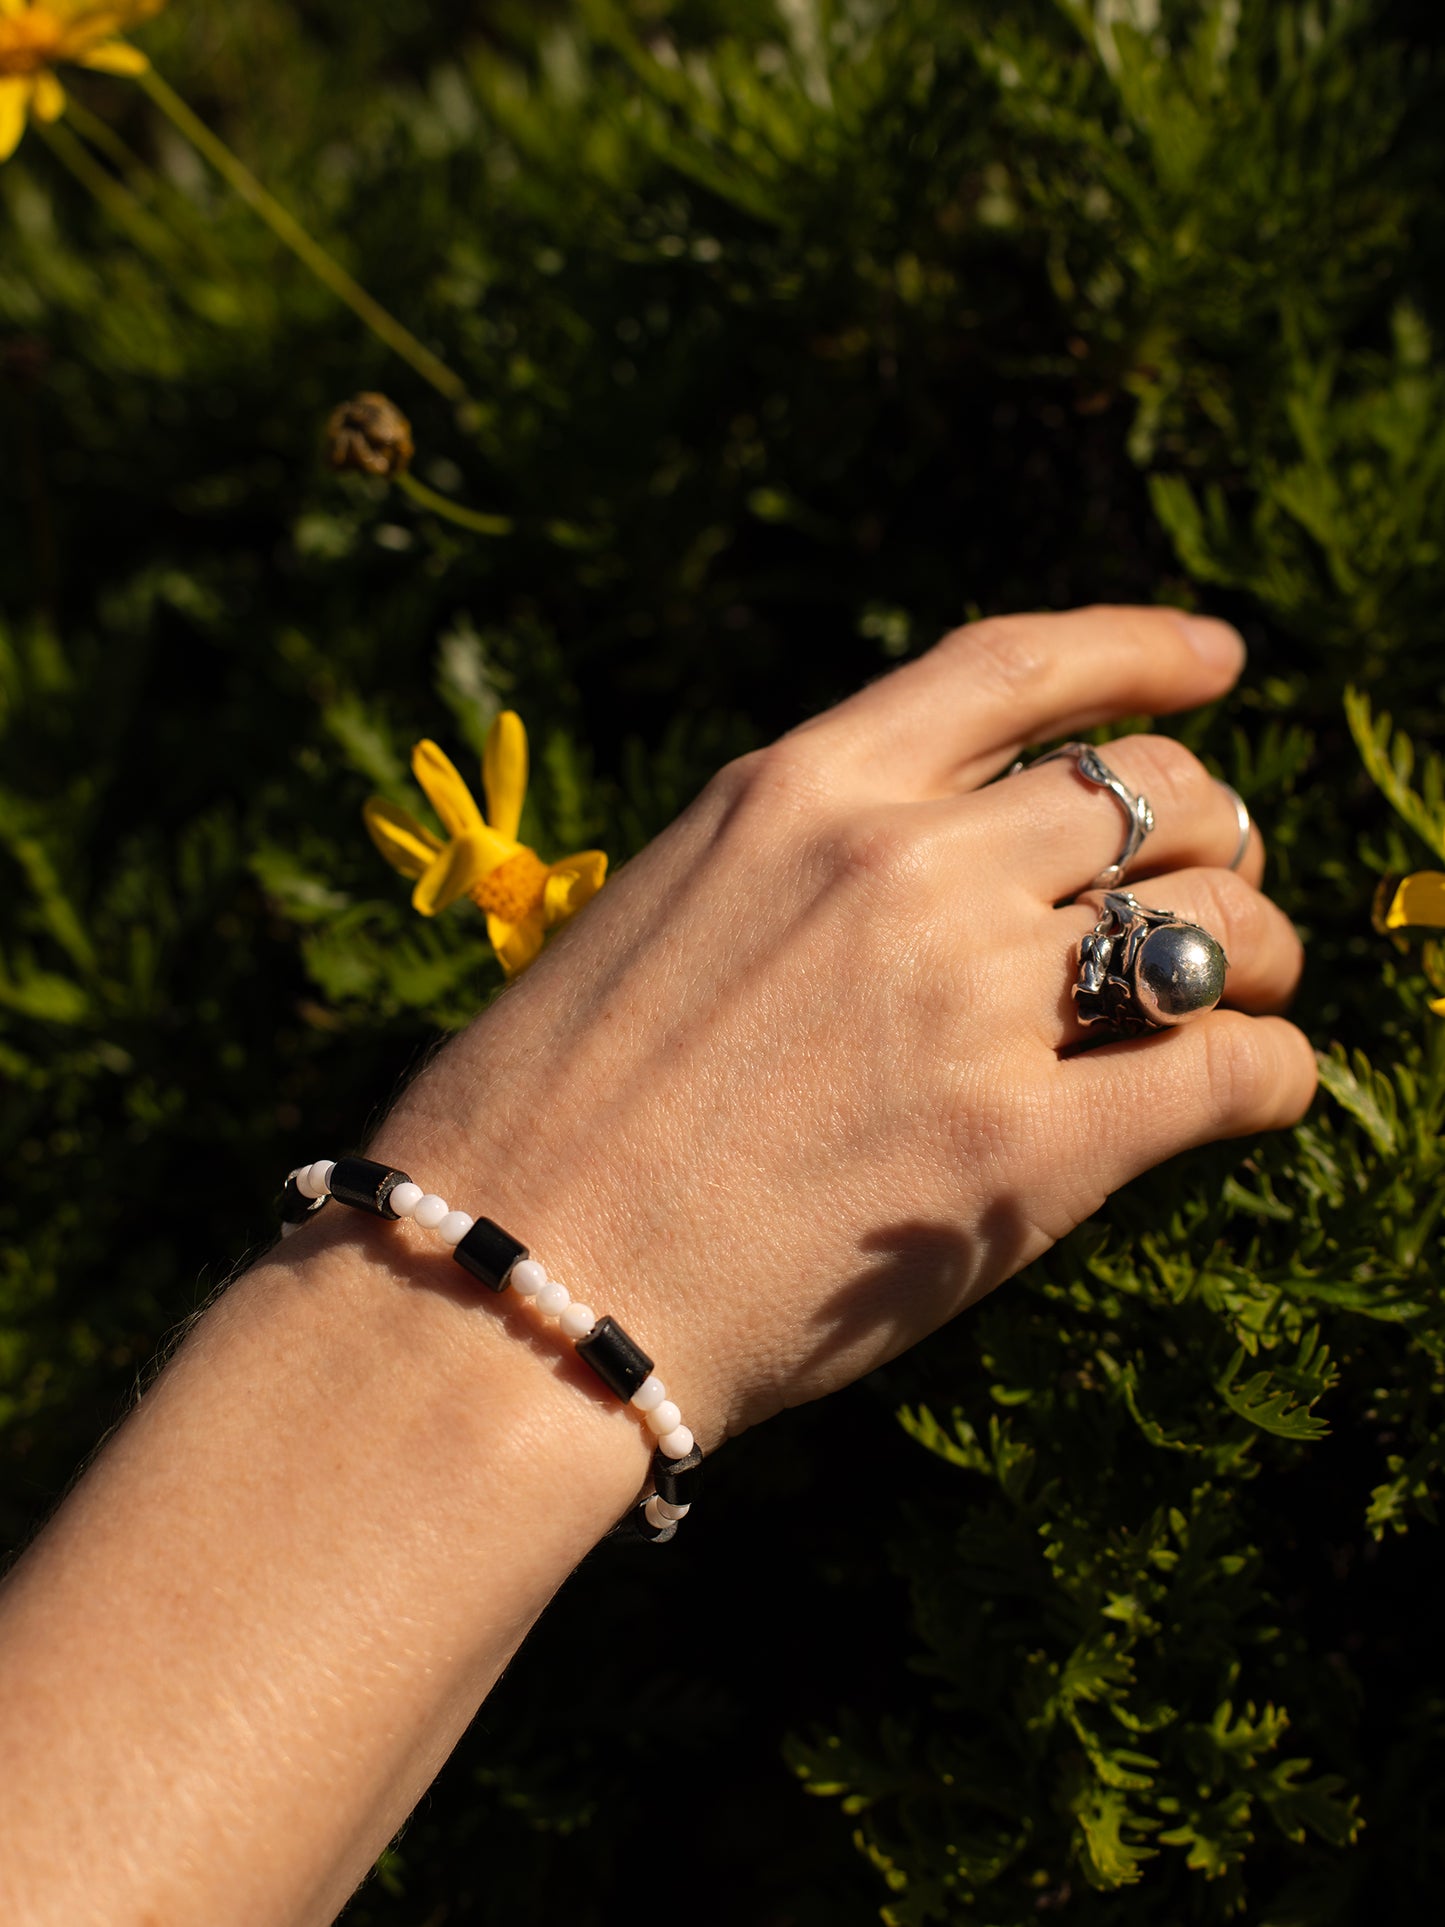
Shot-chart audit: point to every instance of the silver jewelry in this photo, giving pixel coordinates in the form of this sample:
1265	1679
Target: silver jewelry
1146	969
1137	813
1241	811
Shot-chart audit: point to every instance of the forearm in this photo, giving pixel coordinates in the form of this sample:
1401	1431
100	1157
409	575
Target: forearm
257	1627
802	1084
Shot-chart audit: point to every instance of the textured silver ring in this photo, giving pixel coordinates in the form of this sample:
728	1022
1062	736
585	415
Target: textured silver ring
1137	813
1241	812
1143	969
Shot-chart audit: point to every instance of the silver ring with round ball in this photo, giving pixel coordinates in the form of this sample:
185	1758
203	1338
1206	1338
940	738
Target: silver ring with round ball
1138	816
1142	969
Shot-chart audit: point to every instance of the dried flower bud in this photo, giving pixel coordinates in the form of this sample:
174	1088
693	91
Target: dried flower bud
369	433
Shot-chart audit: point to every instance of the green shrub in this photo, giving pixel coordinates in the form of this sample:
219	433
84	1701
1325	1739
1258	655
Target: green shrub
794	335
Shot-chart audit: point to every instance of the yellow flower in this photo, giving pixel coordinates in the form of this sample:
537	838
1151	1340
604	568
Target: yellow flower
522	896
36	36
1419	902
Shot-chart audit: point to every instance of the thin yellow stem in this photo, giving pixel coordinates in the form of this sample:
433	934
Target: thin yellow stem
118	201
145	180
288	229
103	137
428	498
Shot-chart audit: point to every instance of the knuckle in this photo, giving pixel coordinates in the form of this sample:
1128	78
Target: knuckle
1161	767
882	853
1234	911
781	782
1006	654
1251	927
1240	1073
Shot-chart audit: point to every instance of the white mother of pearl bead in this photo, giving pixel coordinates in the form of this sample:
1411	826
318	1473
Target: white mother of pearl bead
649	1394
455	1226
577	1320
664	1418
528	1277
553	1299
676	1445
429	1211
404	1198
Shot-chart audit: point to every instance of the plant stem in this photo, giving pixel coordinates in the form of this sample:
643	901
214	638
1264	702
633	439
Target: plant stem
288	229
118	201
148	185
428	498
102	136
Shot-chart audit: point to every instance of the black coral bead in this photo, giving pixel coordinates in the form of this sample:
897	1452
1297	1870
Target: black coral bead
296	1208
489	1253
366	1185
679	1481
617	1361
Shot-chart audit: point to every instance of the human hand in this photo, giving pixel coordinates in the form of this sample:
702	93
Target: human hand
804	1081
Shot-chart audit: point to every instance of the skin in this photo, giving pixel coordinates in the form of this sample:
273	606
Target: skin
802	1084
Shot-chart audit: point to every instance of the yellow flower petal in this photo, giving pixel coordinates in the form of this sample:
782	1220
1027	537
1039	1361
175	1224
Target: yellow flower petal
448	876
114	57
446	792
49	101
14	104
516	944
1420	899
573	882
504	772
1437	1004
100	19
405	843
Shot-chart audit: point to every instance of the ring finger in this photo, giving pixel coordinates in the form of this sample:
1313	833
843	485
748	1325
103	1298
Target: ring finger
1061	831
1265	955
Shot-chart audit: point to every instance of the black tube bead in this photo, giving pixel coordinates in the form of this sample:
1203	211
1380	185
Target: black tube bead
489	1253
365	1185
679	1481
296	1207
618	1360
636	1524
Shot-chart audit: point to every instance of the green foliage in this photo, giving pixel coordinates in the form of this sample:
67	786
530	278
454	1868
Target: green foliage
794	334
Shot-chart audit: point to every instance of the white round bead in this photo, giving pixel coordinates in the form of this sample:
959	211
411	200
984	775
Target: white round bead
649	1394
676	1445
455	1226
664	1418
528	1277
321	1176
577	1320
430	1211
553	1299
404	1198
670	1514
654	1515
306	1180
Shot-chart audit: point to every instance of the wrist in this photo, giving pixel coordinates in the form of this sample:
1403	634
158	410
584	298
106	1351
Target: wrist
504	1427
533	1159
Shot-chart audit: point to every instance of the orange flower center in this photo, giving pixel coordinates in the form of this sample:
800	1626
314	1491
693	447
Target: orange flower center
514	888
31	41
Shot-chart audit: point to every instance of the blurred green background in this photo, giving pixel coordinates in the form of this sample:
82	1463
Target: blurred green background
794	334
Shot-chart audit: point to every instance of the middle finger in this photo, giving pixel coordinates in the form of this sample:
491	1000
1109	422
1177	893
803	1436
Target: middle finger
1061	831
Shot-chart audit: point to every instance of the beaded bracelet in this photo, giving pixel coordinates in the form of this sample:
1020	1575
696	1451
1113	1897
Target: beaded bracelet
502	1262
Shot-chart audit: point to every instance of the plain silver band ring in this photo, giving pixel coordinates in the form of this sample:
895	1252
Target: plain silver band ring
1137	813
1241	811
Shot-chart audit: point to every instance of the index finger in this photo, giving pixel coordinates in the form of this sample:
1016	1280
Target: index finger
957	715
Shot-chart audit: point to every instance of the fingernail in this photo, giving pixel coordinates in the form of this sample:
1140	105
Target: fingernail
1218	643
